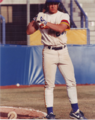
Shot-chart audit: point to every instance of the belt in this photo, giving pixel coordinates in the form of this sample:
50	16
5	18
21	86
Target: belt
56	48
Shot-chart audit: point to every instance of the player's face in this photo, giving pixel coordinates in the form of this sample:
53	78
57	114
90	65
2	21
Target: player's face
53	7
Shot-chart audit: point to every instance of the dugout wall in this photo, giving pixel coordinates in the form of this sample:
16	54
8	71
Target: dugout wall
22	64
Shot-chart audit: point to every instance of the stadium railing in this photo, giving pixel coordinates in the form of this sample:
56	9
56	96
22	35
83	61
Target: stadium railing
72	24
3	30
83	15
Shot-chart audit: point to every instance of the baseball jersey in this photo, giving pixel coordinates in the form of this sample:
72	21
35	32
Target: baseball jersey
51	37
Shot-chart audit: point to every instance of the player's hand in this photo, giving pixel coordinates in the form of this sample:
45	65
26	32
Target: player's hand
42	26
42	23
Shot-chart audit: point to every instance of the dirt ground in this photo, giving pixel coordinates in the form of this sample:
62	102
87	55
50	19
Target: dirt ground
33	98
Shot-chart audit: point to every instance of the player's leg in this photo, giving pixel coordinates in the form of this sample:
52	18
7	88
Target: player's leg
49	69
67	70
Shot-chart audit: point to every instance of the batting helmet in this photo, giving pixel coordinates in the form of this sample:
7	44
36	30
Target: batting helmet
50	1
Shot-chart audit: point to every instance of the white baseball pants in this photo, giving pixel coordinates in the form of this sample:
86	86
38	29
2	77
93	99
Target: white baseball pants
60	58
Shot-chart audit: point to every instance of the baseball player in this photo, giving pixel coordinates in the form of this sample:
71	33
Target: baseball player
53	25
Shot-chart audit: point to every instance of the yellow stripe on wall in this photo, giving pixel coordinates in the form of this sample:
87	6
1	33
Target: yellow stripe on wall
35	38
74	36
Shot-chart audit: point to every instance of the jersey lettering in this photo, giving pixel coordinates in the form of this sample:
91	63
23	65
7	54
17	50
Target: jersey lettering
52	32
42	19
50	36
58	33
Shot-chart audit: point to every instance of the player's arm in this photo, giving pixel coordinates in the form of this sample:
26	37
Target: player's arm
32	27
58	27
63	26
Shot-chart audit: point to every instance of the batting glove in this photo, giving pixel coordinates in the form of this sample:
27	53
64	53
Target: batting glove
40	20
42	23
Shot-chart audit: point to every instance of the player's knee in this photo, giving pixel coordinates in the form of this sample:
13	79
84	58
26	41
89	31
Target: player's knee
49	85
71	83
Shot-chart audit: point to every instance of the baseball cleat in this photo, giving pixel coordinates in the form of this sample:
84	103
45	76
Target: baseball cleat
77	115
50	116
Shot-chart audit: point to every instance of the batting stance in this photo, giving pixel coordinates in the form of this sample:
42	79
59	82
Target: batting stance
53	25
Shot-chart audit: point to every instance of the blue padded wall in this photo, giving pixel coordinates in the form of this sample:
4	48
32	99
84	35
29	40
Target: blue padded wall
23	64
